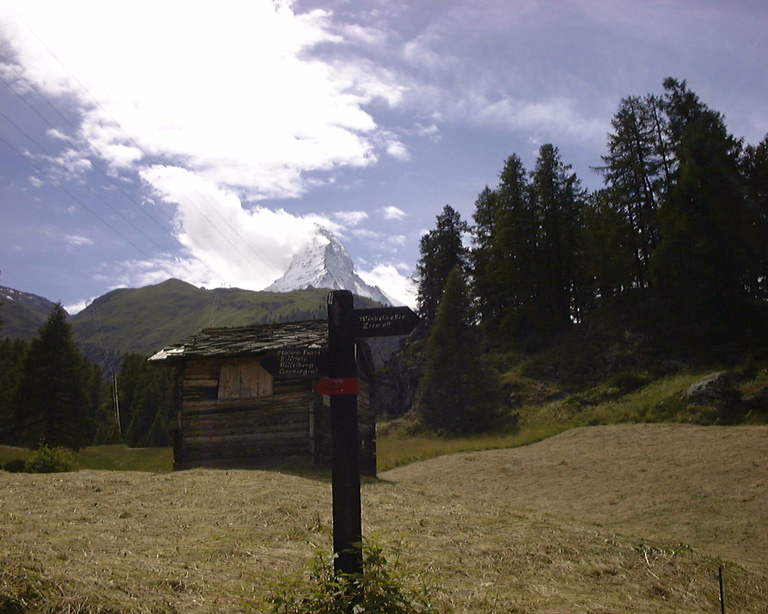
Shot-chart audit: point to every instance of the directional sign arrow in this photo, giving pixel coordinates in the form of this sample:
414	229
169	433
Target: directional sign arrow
384	322
296	362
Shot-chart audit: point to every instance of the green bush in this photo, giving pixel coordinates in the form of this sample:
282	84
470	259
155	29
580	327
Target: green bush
382	588
15	465
628	381
50	460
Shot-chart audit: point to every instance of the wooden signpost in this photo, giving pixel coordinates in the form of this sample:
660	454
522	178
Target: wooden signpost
345	324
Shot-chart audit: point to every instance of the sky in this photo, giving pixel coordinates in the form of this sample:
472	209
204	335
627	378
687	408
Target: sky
207	141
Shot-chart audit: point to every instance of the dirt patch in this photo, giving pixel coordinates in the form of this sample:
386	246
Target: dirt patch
606	519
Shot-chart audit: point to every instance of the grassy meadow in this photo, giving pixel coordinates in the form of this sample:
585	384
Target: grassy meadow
593	502
622	518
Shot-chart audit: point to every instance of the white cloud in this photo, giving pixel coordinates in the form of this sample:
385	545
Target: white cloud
398	150
230	94
393	213
365	233
227	243
78	240
391	279
76	307
350	218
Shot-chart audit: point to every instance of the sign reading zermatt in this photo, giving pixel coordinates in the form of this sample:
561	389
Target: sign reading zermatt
384	322
298	361
345	324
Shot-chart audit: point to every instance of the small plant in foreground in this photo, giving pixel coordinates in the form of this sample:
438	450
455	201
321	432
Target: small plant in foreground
382	588
50	460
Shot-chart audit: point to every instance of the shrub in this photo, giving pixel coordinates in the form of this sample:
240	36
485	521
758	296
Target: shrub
382	588
750	368
15	465
50	460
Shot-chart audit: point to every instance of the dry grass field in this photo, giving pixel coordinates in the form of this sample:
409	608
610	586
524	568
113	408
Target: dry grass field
611	519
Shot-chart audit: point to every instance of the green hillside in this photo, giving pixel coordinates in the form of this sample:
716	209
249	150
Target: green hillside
143	320
22	313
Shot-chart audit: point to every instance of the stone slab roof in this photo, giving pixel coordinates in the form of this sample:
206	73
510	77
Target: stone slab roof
246	340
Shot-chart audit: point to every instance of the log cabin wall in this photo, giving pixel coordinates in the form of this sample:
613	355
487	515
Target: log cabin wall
366	430
221	431
288	424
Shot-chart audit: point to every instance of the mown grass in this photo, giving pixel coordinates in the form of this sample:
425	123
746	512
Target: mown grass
394	449
630	518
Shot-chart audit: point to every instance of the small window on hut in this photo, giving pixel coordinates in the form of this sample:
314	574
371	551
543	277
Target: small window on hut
244	379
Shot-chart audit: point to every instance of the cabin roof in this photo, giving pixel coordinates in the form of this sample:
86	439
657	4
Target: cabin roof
246	340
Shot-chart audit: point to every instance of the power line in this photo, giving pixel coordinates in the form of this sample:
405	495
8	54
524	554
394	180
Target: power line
87	208
77	148
89	188
146	155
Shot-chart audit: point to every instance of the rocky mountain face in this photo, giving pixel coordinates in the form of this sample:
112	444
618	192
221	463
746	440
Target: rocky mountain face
22	314
325	263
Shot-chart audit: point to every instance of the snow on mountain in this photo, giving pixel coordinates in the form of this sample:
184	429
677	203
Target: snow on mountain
325	263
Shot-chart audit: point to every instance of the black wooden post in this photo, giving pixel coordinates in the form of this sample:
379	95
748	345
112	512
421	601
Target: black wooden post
347	512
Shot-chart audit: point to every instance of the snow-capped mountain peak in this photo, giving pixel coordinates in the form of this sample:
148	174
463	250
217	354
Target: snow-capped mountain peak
325	263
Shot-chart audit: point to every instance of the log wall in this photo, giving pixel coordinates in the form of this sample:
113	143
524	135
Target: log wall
290	426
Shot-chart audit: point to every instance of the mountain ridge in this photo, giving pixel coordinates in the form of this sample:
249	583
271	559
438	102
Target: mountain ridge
325	263
143	320
22	313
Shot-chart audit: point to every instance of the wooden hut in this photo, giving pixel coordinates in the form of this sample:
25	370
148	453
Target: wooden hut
231	412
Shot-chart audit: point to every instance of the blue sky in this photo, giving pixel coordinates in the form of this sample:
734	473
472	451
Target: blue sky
205	141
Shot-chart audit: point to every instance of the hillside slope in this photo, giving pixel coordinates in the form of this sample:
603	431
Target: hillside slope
706	487
604	519
22	314
143	320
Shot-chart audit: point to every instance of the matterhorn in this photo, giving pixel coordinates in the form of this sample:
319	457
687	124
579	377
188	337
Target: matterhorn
325	263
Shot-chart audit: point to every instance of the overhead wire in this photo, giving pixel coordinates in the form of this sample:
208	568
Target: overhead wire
83	154
146	155
86	207
89	188
103	173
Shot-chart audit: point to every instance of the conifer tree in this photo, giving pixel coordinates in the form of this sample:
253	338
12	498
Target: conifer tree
754	166
50	405
609	250
441	250
559	202
458	394
706	228
505	253
145	401
638	174
12	353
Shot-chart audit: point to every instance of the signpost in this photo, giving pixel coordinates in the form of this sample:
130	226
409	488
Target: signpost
384	322
296	362
345	324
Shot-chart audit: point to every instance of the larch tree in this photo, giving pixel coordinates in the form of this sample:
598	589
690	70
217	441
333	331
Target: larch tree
441	250
707	230
754	166
505	252
558	201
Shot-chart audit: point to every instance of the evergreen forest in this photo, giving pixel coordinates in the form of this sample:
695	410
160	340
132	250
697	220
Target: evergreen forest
665	264
51	395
